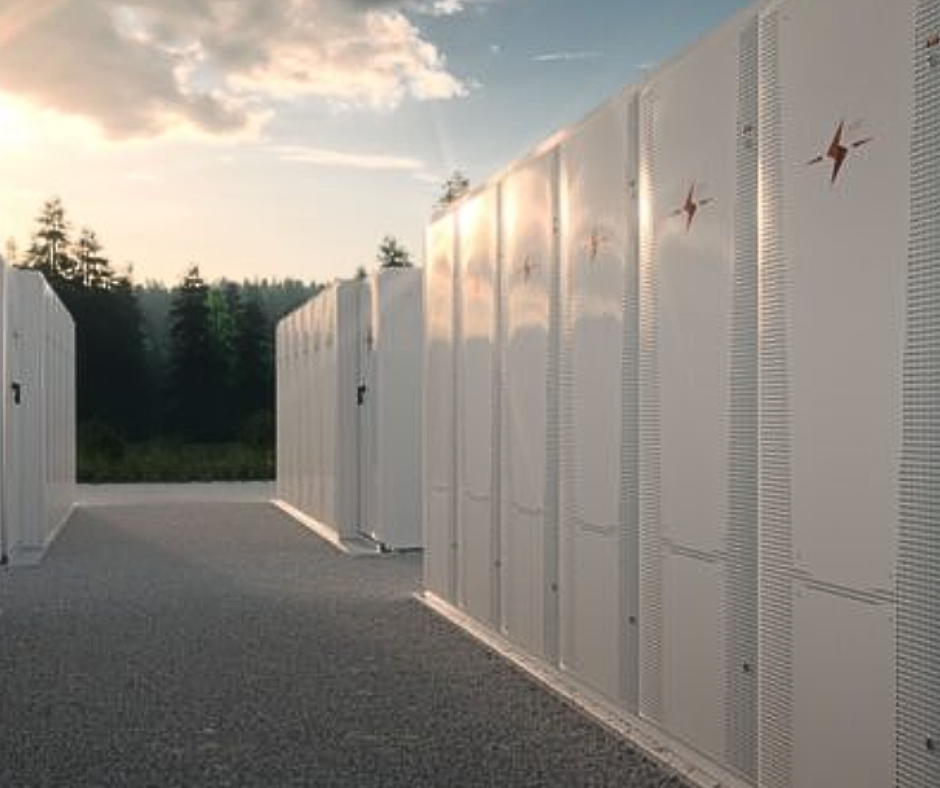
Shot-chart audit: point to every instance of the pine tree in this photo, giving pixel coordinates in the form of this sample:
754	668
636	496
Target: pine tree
455	187
197	370
92	268
392	254
49	251
254	368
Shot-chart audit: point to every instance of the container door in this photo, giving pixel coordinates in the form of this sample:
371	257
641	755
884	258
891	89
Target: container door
367	395
529	480
699	397
21	466
836	125
598	526
440	572
329	417
478	459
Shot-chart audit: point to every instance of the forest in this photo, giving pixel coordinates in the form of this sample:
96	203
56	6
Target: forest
173	383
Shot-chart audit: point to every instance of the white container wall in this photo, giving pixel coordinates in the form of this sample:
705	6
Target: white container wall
836	132
708	401
598	590
349	418
39	416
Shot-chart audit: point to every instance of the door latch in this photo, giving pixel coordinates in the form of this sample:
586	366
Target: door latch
17	392
361	394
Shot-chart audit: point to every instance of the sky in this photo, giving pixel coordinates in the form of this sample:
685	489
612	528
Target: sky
285	138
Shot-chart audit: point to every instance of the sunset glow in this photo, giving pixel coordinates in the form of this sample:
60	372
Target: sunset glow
287	138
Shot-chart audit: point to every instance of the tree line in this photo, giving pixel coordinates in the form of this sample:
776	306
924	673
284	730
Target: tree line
158	366
193	362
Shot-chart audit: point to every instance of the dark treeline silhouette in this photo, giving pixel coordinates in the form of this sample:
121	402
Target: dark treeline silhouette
193	363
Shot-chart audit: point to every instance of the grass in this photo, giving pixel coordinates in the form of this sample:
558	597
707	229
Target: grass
168	461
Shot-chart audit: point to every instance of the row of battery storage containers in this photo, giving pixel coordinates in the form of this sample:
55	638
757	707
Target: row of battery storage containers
37	359
349	408
683	399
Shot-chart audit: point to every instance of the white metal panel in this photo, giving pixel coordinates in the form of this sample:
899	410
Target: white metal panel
368	455
398	331
346	352
291	426
314	394
478	526
694	655
837	122
828	672
918	576
327	384
304	411
439	417
280	411
528	230
27	425
693	144
296	435
596	567
4	387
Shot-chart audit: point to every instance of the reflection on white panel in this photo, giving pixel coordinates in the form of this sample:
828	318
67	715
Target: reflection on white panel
439	421
595	208
478	535
528	211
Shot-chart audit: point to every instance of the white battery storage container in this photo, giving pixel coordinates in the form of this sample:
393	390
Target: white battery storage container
350	373
39	416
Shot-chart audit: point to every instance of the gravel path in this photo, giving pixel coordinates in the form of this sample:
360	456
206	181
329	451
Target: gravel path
197	645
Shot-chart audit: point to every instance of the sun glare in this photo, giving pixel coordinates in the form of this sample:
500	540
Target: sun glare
15	124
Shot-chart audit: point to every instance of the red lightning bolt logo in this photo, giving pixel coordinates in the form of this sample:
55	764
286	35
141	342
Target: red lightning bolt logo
692	206
528	267
596	241
838	152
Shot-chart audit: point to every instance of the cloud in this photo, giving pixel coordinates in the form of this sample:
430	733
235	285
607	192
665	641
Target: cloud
140	68
567	57
327	157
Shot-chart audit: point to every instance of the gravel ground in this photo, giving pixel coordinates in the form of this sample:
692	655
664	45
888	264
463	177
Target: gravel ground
195	492
198	645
